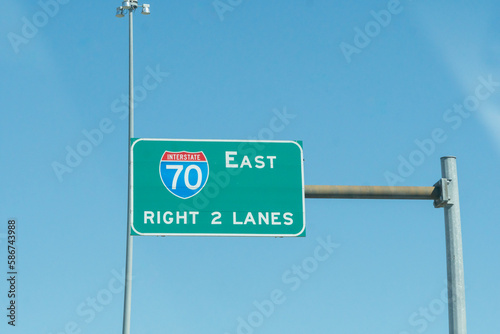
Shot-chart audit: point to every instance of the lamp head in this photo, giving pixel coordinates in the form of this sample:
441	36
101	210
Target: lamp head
126	4
145	9
119	12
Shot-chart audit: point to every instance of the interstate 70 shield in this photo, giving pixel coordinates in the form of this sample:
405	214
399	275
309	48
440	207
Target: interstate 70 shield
217	188
184	174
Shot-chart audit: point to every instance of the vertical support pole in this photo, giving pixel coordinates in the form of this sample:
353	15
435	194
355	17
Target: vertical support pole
454	254
128	264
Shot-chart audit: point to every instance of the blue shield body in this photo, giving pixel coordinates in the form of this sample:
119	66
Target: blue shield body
184	174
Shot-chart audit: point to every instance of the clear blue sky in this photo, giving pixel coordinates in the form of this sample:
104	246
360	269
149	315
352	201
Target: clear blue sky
374	102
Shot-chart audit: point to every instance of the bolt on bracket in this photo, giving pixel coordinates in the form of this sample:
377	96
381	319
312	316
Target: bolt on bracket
444	197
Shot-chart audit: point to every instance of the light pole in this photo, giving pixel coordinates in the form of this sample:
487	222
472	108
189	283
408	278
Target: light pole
129	6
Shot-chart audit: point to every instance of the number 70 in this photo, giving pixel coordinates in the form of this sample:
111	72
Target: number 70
178	171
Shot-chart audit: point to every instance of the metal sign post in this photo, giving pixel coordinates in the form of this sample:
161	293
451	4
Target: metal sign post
454	254
445	194
129	6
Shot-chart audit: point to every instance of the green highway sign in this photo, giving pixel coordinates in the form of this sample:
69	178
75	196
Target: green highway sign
217	188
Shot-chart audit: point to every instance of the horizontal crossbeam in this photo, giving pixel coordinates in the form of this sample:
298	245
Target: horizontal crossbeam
372	192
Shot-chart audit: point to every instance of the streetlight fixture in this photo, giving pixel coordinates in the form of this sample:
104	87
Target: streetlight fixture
119	12
129	6
145	9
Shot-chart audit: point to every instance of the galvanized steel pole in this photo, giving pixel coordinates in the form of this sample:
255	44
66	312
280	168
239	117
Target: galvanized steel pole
454	255
128	263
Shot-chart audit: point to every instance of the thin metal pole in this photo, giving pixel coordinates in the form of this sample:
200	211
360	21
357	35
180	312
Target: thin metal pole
372	192
454	255
128	264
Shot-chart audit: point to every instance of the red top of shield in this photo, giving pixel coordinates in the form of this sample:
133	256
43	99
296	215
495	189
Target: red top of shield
183	156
